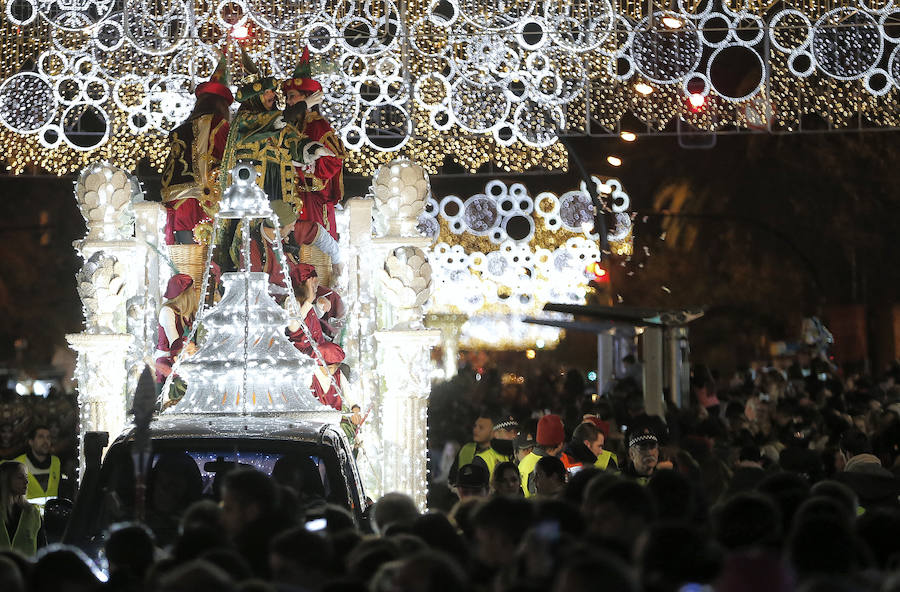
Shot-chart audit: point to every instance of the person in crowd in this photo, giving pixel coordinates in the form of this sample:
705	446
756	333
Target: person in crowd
250	513
500	523
130	551
472	481
302	559
616	512
393	508
549	477
584	449
482	431
523	445
549	441
863	473
506	480
502	447
43	467
643	454
21	530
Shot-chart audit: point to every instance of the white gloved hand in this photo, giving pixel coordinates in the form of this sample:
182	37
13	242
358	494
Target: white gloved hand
314	99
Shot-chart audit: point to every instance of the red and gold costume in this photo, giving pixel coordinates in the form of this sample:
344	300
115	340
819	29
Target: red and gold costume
189	188
320	184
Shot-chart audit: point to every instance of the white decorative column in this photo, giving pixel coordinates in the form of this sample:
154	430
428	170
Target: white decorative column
102	375
402	285
404	361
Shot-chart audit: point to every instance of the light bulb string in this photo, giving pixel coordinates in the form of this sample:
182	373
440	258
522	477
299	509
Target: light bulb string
245	255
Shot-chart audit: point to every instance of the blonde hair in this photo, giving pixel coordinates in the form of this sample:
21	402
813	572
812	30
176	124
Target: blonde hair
7	499
185	304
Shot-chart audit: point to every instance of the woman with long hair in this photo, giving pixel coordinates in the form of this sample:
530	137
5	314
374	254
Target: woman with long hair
175	319
21	530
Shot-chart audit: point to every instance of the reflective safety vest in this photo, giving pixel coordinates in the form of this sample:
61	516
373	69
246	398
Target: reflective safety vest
25	538
492	458
603	461
466	455
526	468
34	488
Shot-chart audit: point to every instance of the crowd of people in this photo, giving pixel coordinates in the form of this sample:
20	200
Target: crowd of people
780	479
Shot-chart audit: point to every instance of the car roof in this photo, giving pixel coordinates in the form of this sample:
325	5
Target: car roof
262	427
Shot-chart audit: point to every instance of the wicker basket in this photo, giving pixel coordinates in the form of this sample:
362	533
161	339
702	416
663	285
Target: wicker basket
190	259
313	256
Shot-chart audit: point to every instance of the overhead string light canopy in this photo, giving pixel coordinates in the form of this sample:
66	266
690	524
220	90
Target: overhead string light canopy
245	362
476	80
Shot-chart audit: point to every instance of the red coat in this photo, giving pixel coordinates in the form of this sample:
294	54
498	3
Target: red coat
331	397
322	187
332	353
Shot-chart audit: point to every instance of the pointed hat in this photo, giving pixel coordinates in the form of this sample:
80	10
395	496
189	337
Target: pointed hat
218	82
254	85
302	80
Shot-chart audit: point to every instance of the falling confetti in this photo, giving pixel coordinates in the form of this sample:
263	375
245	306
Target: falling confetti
663	235
647	251
666	290
619	298
645	219
630	273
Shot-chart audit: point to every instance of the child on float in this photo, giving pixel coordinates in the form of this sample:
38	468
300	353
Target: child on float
175	319
328	381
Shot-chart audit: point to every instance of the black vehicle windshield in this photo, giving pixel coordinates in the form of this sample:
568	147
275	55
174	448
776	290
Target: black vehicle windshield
184	471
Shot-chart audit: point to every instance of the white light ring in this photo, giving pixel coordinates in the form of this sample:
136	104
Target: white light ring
518	190
135	129
764	75
623	49
873	23
443	23
505	142
400	83
552	139
81	61
496	190
601	34
373	48
883	21
773	25
457	226
432	207
485	26
220	19
645	25
43	141
345	133
701	26
707	85
760	29
792	58
188	21
406	136
619	202
32	126
497	236
330	38
433	115
507	206
726	8
97	81
520	33
894	64
612	64
459	204
477	260
512	62
553	222
884	10
130	79
119	43
389	67
380	99
532	69
888	79
464	122
79	82
471	202
540	96
549	197
103	138
524	77
86	21
684	11
25	22
52	53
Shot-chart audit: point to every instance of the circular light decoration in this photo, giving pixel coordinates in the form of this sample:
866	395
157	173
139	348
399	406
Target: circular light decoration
789	30
721	68
665	55
157	28
26	116
72	15
21	12
847	43
85	127
579	25
494	15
